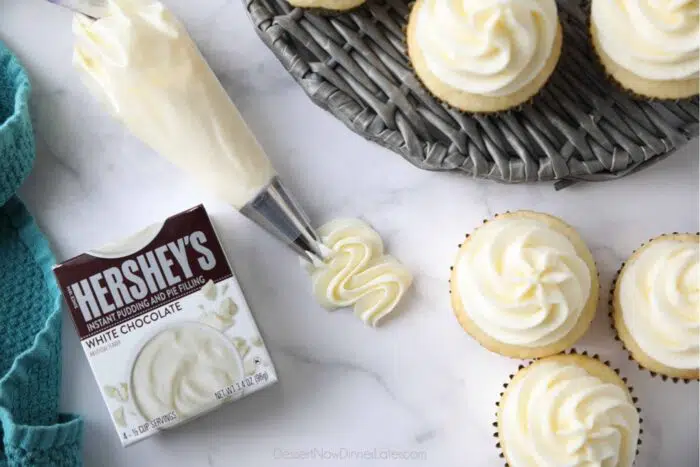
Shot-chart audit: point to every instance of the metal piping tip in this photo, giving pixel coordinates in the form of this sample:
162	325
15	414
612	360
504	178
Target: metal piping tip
93	9
275	210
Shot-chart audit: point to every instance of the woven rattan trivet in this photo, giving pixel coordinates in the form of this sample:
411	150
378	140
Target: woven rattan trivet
579	127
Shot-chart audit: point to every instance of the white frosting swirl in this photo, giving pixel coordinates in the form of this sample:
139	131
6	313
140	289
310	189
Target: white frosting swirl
181	369
659	297
357	272
654	39
521	282
486	47
558	414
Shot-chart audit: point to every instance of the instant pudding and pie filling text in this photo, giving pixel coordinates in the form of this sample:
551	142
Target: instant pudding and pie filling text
164	325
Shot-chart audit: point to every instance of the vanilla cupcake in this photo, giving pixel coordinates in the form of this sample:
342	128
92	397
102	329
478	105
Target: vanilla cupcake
484	55
327	6
649	47
656	305
524	285
568	410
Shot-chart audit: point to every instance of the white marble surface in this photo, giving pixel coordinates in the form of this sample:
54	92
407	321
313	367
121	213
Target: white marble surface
417	385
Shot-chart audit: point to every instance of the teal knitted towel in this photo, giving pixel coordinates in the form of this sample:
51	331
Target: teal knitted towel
32	431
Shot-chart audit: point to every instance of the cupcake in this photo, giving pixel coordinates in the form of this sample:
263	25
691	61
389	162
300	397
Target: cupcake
649	48
484	55
567	410
327	6
524	285
656	306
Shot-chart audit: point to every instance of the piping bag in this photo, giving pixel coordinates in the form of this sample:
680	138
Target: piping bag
91	8
138	59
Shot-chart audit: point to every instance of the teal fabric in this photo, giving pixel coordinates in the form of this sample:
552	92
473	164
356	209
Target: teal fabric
32	431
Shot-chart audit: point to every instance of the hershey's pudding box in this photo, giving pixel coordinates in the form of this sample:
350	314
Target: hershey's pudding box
164	325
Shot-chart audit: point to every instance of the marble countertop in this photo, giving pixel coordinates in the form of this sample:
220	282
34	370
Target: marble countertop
418	386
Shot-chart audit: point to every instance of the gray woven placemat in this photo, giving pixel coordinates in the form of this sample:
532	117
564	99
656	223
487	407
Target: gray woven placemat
579	127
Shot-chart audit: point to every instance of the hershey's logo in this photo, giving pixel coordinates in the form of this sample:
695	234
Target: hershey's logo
145	274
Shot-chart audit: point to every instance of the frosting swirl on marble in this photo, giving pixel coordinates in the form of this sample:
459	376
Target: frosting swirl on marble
659	298
357	273
558	414
654	39
521	282
486	47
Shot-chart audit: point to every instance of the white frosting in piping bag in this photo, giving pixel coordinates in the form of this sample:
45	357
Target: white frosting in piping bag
141	63
659	297
560	415
357	273
654	39
486	47
521	282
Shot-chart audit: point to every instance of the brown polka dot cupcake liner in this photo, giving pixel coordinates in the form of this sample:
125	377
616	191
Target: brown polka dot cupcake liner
582	353
611	311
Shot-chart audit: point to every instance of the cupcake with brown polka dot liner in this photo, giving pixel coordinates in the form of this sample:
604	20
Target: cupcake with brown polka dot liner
567	409
524	285
655	306
484	57
657	56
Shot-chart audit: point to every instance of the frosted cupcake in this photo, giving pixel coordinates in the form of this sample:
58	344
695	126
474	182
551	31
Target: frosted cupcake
484	55
568	410
524	285
327	6
649	47
656	306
